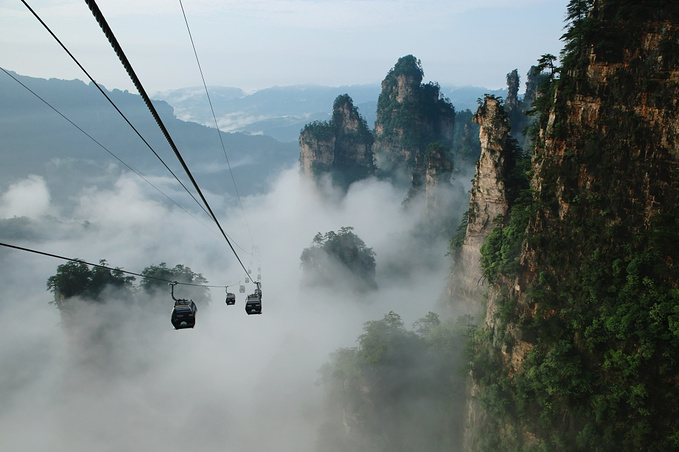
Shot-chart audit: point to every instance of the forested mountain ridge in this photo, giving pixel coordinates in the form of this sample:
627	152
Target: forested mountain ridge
34	132
578	347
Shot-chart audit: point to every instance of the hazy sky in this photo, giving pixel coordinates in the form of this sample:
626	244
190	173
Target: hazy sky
254	44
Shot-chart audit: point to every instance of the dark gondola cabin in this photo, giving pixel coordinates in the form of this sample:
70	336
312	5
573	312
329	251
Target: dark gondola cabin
230	299
184	314
253	304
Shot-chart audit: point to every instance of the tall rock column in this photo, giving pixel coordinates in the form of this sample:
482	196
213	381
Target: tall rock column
341	147
410	116
488	200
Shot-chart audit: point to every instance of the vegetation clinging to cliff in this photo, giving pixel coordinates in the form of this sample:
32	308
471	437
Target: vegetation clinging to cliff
596	320
604	336
466	145
341	147
410	115
398	390
76	279
334	256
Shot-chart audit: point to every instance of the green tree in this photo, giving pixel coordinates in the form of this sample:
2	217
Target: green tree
427	324
399	390
336	254
155	279
75	278
578	29
384	340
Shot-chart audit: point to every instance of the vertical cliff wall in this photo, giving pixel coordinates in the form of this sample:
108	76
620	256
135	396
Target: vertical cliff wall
578	344
437	176
488	200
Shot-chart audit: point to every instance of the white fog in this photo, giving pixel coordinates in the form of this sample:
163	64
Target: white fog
234	382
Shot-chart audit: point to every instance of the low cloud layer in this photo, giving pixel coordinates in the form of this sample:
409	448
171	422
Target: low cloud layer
118	377
27	198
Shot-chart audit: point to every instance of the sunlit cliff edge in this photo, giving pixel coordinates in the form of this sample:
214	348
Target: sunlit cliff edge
577	346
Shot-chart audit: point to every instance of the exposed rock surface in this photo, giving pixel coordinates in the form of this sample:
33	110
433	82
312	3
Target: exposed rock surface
436	180
488	200
341	147
573	331
410	116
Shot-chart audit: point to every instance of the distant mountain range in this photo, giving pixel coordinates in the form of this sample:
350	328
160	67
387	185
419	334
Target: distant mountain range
282	112
260	130
36	139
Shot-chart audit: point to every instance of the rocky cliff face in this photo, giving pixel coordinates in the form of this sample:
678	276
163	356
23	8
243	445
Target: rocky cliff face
436	178
410	116
341	147
488	200
577	338
317	143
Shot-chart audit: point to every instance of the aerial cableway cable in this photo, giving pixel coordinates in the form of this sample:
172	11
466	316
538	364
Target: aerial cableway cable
142	92
99	144
112	103
214	116
109	151
105	267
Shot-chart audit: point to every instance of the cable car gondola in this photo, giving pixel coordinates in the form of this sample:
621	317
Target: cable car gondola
230	297
253	303
183	312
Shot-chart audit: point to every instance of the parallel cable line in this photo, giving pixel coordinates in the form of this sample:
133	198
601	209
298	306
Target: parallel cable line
142	92
214	116
112	103
101	146
56	256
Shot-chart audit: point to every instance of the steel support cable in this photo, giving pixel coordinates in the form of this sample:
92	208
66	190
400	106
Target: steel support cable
111	102
101	145
101	20
214	116
56	256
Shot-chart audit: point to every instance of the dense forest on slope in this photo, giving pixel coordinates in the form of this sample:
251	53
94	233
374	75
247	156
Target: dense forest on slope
339	260
398	390
581	353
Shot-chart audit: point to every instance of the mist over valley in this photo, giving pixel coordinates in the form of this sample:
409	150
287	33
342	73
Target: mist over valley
114	374
401	266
